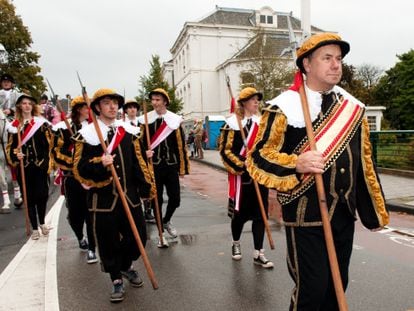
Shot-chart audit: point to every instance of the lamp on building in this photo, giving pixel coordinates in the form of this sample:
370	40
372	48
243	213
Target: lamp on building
3	54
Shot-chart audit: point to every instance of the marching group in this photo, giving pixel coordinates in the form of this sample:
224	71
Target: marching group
272	149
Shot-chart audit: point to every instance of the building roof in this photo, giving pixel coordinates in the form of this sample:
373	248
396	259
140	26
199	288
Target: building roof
245	17
271	44
226	16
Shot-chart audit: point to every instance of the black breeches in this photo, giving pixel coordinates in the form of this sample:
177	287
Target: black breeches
37	190
258	230
167	175
78	213
308	262
116	244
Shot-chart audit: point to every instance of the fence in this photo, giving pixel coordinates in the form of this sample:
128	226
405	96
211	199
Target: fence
393	149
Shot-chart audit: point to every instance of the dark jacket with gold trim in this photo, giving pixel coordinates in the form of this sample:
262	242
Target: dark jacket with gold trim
350	179
171	151
230	144
63	146
129	162
36	150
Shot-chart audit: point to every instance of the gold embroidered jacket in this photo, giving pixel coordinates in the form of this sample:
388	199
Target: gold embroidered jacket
36	150
130	165
350	179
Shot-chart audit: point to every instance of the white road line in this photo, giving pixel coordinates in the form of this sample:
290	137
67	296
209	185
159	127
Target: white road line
29	282
51	287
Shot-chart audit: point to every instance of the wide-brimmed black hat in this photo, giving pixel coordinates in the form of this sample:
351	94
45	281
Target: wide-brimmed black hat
7	77
101	93
23	96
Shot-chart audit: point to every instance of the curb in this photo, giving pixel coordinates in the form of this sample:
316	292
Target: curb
391	205
399	208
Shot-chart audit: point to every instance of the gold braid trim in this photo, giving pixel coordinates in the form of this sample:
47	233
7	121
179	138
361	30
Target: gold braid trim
49	138
373	185
9	151
95	160
230	155
59	144
182	150
87	182
270	152
149	178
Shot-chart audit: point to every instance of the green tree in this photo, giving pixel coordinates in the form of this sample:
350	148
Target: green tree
395	91
155	80
266	70
353	84
22	62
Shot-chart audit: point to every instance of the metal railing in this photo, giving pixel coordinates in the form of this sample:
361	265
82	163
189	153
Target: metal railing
393	149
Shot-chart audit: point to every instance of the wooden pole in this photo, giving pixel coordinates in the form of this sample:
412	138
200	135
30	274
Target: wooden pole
151	167
63	116
26	208
333	260
121	193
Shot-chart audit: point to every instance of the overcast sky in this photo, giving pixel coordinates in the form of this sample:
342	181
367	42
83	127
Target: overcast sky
110	43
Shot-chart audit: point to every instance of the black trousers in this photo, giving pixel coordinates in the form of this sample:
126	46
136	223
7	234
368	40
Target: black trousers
308	262
37	190
78	213
116	244
250	210
167	175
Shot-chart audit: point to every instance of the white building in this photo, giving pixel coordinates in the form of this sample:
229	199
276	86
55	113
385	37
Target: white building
211	48
217	45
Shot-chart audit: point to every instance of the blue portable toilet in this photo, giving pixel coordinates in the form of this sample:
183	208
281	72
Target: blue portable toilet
212	125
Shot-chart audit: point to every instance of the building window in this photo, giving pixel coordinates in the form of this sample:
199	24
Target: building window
247	79
372	122
262	19
270	19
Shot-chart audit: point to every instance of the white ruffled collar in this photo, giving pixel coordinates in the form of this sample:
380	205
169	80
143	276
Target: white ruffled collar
232	121
173	120
89	134
289	103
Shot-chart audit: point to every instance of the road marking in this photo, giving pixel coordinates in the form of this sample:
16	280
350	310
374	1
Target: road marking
30	279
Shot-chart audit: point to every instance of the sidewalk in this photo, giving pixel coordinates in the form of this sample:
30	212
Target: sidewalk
398	191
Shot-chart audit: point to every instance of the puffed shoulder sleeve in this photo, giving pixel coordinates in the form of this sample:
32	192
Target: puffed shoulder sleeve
266	163
87	164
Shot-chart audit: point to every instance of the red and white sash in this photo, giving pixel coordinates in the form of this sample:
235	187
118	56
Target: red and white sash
116	140
235	181
162	133
30	130
332	134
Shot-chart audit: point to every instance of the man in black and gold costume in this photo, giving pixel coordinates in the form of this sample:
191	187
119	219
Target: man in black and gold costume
169	154
116	244
281	159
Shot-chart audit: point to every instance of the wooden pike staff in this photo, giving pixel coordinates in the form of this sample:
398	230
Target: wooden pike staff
26	208
63	116
256	185
151	167
121	193
333	260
